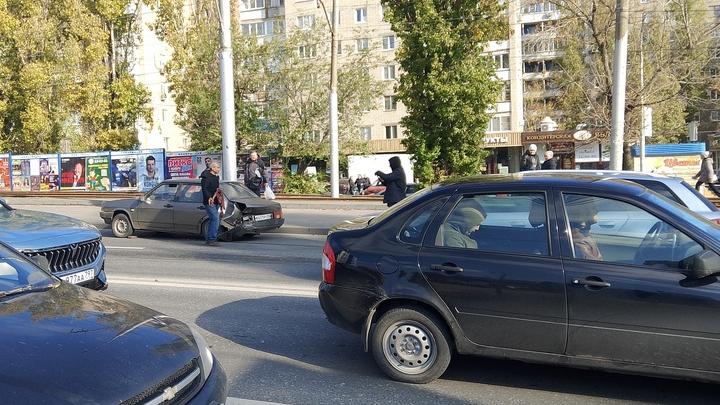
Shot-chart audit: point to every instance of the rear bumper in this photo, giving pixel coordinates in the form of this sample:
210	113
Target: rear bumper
215	390
106	216
347	308
257	227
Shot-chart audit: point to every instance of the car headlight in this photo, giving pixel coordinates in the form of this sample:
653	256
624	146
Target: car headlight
206	356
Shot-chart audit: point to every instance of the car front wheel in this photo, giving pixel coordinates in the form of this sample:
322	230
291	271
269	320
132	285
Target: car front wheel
411	345
121	226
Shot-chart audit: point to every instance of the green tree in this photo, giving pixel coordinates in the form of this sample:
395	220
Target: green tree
676	44
448	83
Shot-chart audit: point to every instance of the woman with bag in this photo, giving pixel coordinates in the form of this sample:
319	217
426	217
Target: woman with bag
707	174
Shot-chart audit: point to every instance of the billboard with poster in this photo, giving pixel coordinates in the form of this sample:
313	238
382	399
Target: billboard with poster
98	176
72	169
4	172
150	168
20	168
123	171
76	174
35	172
190	165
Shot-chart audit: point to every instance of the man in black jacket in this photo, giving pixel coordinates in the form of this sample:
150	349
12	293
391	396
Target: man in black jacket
550	162
395	182
254	173
530	161
210	183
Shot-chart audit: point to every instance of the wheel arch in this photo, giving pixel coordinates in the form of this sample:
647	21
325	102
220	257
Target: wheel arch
118	211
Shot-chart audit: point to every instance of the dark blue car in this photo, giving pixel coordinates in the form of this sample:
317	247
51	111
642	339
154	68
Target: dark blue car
569	269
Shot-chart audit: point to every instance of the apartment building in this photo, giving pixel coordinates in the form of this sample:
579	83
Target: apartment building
361	27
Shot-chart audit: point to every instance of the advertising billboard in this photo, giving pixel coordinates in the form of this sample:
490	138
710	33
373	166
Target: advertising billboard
150	168
98	176
84	171
190	165
5	172
123	171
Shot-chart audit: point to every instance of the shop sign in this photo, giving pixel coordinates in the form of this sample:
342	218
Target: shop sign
588	153
496	140
547	137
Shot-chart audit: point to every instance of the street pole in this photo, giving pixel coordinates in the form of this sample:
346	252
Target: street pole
227	95
334	130
642	99
619	83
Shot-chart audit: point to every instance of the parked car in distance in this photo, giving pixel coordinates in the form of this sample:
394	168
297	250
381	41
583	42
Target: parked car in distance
70	345
176	206
674	188
559	268
68	248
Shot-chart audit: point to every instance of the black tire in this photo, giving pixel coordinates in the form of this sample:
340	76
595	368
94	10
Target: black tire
223	237
426	351
121	226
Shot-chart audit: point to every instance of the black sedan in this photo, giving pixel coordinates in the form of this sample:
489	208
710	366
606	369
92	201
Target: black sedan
576	270
176	206
69	345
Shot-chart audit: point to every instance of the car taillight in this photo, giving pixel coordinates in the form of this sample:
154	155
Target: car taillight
278	214
328	264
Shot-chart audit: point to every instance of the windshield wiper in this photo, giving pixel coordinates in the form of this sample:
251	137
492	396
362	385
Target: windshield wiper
25	289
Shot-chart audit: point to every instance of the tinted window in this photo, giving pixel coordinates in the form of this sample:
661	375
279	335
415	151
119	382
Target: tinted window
603	229
402	204
415	227
508	223
660	188
191	193
166	192
235	191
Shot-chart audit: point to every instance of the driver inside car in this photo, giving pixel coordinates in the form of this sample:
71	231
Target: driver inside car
456	230
582	214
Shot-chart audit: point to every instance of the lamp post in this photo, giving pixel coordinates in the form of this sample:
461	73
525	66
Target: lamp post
333	103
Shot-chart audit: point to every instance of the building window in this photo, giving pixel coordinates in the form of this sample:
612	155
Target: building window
714	115
390	103
254	29
339	48
716	11
366	133
307	51
361	15
713	71
362	44
504	93
499	124
391	132
389	42
714	95
502	61
644	1
253	4
305	22
277	3
389	72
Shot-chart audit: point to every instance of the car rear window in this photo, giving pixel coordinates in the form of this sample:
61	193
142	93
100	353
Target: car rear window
701	198
660	188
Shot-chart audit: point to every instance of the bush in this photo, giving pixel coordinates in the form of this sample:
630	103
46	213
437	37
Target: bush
303	184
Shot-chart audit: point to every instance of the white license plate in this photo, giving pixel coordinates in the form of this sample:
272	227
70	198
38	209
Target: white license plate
79	277
263	217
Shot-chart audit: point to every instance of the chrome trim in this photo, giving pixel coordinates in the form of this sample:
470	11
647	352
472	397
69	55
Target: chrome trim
170	392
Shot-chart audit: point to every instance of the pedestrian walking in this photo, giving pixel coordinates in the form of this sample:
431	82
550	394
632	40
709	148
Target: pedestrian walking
530	161
707	174
395	182
254	173
212	200
550	162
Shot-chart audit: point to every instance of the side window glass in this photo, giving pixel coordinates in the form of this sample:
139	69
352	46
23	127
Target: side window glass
613	231
191	194
415	227
506	223
166	192
661	189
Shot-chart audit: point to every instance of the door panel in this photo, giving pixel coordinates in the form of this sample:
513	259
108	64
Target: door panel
189	209
156	213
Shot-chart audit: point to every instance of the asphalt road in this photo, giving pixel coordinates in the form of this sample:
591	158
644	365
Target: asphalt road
256	302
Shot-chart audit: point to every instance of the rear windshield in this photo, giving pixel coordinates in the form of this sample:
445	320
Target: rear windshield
235	191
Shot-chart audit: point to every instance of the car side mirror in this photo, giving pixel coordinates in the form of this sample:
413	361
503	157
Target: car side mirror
704	264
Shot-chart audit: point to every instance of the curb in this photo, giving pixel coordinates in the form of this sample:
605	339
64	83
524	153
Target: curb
300	230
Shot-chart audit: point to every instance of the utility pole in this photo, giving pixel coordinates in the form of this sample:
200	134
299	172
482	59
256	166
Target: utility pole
334	130
619	84
645	112
227	95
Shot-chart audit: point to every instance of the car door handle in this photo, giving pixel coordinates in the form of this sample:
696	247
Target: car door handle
591	283
450	268
167	206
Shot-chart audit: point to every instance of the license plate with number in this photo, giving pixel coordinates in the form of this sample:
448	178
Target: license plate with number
79	277
263	217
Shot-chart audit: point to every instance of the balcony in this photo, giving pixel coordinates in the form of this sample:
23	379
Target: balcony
386	145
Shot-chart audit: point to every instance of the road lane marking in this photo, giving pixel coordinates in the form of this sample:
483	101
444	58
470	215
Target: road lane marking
269	289
240	401
125	247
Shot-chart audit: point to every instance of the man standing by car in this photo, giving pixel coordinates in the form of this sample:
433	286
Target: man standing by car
395	182
530	160
210	182
254	173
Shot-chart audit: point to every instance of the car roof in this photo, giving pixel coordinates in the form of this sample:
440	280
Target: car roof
622	174
552	178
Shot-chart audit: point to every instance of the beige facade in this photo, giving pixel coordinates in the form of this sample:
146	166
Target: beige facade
361	26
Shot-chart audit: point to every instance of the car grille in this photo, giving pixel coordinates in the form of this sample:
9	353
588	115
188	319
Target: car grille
181	390
69	257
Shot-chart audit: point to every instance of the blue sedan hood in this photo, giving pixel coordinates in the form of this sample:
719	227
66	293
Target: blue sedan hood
71	345
23	229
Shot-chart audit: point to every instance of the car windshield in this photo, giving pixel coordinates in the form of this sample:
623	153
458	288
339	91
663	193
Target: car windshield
18	274
235	191
397	207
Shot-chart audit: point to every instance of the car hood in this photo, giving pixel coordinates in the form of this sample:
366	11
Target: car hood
124	203
25	230
352	224
71	345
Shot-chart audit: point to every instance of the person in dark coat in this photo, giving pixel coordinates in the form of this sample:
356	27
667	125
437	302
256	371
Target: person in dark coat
395	182
255	173
530	161
707	174
550	162
210	184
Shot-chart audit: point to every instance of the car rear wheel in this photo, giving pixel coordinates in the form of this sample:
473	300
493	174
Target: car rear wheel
223	234
410	345
121	226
